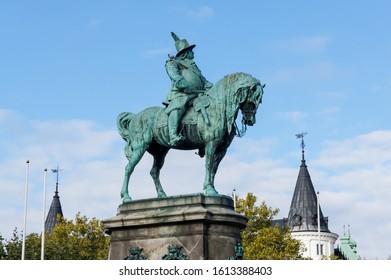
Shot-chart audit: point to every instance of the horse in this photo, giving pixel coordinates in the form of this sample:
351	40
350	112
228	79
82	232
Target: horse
210	129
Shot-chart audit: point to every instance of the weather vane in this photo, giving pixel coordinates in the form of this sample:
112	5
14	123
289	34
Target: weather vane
301	135
57	171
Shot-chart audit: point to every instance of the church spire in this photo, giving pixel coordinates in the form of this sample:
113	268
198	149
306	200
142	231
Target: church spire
55	208
304	211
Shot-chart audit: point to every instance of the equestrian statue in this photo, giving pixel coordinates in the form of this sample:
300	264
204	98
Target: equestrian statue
196	115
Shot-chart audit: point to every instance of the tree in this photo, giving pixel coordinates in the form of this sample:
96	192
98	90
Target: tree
13	247
33	247
81	239
12	250
77	240
260	239
3	252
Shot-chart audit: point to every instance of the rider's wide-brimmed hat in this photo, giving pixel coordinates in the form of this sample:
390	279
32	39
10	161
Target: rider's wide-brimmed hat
181	45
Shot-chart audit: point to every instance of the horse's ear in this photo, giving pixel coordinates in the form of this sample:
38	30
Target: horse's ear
241	96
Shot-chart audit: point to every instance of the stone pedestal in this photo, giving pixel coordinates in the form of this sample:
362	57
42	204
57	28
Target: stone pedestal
206	227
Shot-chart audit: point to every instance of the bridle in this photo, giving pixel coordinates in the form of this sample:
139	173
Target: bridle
240	132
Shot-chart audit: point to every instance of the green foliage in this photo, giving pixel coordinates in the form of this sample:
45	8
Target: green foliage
13	248
3	252
332	257
33	246
262	241
79	239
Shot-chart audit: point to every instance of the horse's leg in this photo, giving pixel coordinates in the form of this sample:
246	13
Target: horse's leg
215	152
133	158
124	190
210	151
159	154
220	154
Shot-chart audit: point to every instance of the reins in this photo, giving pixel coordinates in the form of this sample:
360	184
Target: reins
240	132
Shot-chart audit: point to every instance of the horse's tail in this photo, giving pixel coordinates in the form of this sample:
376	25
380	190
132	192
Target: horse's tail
123	121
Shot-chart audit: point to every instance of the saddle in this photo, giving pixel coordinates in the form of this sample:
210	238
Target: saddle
198	104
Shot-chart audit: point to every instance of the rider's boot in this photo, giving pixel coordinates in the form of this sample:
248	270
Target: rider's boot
173	122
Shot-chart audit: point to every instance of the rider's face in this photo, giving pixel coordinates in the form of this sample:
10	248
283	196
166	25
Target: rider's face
190	54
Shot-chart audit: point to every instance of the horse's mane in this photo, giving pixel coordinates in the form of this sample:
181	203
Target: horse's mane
229	91
234	82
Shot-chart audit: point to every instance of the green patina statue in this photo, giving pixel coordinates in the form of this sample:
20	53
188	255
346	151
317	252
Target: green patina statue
135	253
203	114
186	83
239	252
174	253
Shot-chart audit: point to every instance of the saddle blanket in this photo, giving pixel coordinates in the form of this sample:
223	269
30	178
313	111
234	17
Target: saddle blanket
189	118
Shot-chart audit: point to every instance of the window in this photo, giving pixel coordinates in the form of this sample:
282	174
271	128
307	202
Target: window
321	249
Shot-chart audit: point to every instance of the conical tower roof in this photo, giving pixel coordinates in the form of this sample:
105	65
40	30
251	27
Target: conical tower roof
55	209
303	213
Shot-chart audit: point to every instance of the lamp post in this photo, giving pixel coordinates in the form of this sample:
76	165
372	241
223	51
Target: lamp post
43	214
234	197
25	208
318	214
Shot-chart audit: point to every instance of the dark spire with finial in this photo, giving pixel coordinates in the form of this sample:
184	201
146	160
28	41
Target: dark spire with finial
55	208
302	145
303	211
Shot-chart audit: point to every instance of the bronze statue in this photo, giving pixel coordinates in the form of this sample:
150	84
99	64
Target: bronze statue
186	83
175	253
135	253
208	124
239	252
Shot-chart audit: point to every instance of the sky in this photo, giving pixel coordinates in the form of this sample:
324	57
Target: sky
68	68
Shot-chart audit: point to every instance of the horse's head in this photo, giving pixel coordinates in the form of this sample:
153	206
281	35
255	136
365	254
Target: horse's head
250	104
240	92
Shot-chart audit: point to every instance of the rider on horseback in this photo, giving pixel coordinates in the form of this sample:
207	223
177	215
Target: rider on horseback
186	83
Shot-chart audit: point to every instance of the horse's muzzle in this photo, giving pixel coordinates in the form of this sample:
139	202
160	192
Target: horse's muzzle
249	121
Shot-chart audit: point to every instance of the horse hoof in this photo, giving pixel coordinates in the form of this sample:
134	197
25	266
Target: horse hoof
126	198
161	194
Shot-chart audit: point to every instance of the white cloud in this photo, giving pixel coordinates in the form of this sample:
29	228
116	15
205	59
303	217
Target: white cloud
376	89
352	175
316	44
373	148
336	94
293	116
84	151
201	14
4	114
307	45
94	23
330	110
357	186
310	73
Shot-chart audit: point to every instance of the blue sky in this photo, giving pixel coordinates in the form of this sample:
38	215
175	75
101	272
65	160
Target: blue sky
68	68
